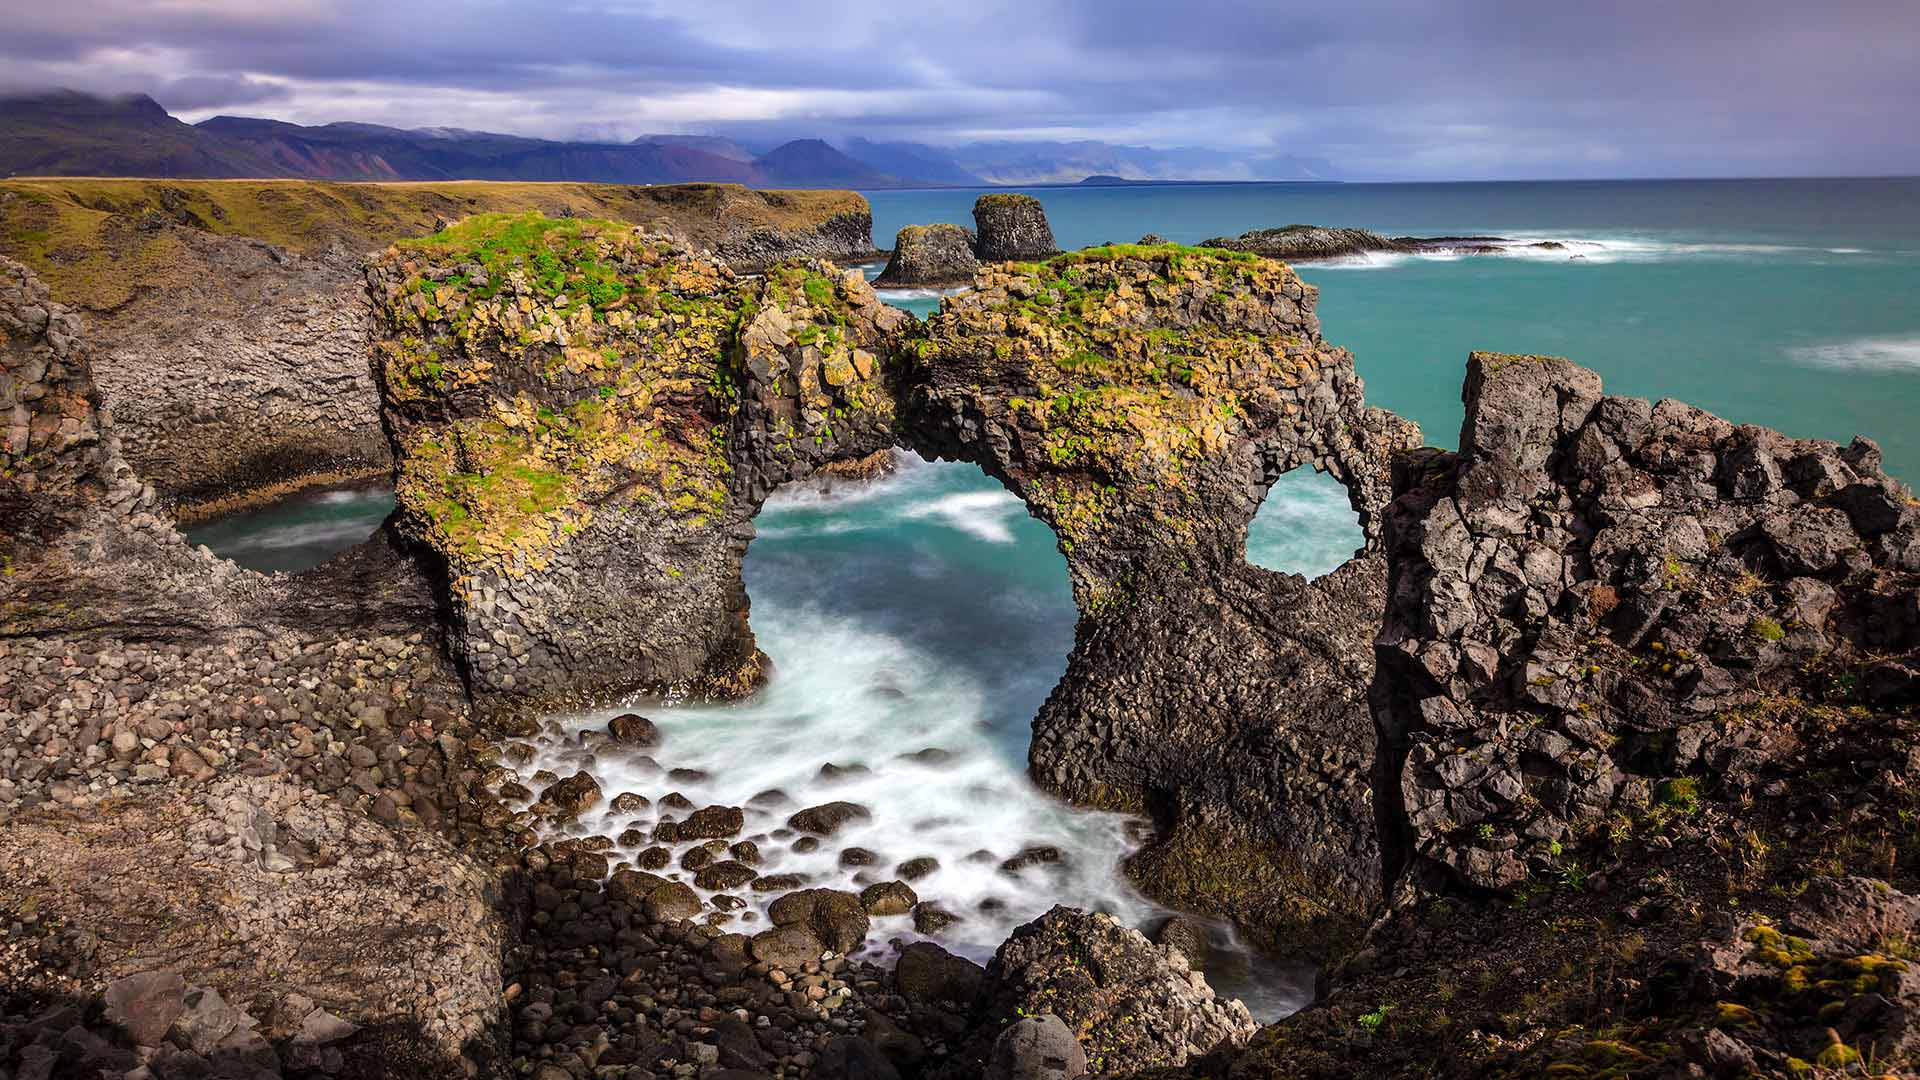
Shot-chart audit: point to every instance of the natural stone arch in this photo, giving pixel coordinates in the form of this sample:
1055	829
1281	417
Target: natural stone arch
1141	401
587	419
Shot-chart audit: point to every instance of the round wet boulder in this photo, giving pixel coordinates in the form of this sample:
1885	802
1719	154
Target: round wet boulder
1037	1048
721	876
712	823
1011	228
632	729
564	800
633	886
837	918
672	902
888	898
930	256
787	947
827	818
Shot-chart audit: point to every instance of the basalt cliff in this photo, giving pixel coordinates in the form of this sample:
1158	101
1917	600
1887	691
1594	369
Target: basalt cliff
1595	761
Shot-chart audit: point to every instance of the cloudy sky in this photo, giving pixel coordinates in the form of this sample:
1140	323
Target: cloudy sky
1384	88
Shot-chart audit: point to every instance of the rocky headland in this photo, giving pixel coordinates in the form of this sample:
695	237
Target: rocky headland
1596	761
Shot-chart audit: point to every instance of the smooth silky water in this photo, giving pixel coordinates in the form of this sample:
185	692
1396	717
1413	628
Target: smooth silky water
296	533
925	611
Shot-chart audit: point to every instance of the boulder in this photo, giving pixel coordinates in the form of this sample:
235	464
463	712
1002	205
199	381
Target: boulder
888	898
632	729
146	1005
827	818
930	256
837	918
672	902
712	823
1037	1048
788	947
564	800
1140	1003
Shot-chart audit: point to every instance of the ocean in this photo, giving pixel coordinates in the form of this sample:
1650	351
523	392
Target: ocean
928	611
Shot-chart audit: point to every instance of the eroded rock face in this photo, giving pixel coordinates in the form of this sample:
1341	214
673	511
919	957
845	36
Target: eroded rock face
1590	598
1012	228
587	418
249	372
1141	400
932	255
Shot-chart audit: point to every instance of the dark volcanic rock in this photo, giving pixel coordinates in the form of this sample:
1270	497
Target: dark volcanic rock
1304	243
836	918
1629	724
632	729
1583	592
930	255
827	818
1011	228
1227	700
567	799
1037	1048
1141	1005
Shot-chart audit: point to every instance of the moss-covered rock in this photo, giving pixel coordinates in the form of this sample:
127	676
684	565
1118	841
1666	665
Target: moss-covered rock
585	417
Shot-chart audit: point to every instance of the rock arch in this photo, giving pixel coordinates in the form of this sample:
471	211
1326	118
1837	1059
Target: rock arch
587	419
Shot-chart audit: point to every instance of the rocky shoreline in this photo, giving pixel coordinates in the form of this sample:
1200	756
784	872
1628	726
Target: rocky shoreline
1596	760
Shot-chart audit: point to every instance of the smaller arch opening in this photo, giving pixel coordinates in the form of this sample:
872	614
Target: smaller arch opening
1306	525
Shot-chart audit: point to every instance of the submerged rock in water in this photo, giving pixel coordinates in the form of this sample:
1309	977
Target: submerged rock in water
1012	228
930	256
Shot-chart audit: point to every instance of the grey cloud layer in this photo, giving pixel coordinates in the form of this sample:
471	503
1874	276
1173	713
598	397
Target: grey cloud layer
1383	87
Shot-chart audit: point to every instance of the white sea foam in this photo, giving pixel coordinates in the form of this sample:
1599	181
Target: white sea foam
1862	354
851	688
988	515
1592	250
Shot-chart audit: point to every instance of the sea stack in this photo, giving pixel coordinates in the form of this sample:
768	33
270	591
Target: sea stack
931	255
1012	228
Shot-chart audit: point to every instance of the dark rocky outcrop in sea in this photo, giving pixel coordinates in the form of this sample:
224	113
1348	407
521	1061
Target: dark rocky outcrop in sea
1011	228
930	256
1141	401
1305	243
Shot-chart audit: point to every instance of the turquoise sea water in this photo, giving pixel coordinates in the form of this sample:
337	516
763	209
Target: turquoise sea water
928	610
1789	303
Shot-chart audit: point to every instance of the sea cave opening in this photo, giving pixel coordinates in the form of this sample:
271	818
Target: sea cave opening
297	532
1306	525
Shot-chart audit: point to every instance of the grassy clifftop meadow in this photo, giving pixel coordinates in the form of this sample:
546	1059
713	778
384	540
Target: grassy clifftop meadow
97	242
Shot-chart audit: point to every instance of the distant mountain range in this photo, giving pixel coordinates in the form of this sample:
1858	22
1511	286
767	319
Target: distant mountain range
63	133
